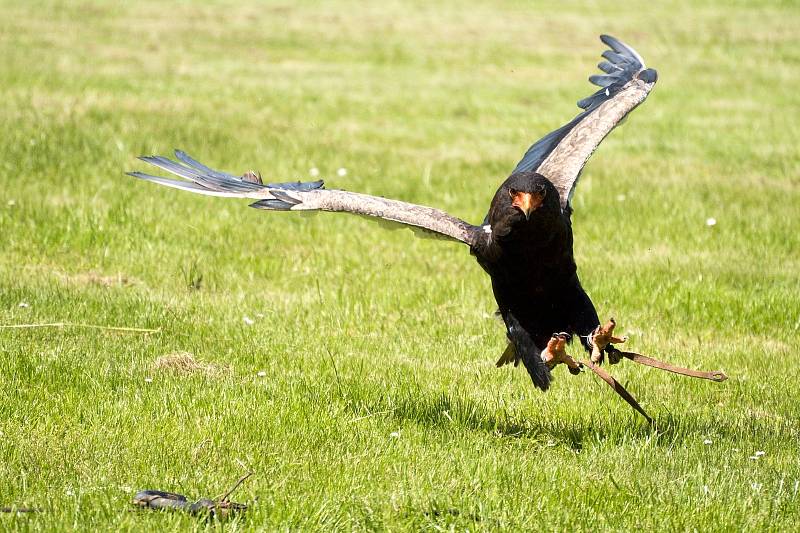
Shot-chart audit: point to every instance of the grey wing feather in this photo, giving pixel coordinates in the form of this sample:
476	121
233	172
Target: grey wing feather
308	196
224	176
182	185
608	68
210	181
602	81
192	162
561	154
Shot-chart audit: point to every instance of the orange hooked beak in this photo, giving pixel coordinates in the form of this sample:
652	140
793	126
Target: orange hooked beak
527	202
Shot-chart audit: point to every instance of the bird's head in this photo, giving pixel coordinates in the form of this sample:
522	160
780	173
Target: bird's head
524	198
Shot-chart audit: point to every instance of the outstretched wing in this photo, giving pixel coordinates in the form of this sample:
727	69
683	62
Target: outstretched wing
306	196
560	155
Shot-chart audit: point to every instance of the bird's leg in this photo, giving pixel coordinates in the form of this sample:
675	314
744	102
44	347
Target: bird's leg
555	353
601	340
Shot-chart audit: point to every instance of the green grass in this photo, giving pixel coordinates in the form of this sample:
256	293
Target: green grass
364	333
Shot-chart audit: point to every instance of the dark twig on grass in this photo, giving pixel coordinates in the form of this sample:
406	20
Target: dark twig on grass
236	485
219	507
160	500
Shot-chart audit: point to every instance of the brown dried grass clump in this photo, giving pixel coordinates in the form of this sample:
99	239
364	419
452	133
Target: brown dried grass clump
95	278
184	363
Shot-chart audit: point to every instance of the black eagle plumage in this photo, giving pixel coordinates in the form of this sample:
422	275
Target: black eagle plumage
525	242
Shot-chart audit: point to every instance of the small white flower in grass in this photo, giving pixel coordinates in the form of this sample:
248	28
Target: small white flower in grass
705	489
313	172
247	320
394	434
341	172
760	453
711	221
24	305
148	380
262	374
69	492
755	486
11	203
708	442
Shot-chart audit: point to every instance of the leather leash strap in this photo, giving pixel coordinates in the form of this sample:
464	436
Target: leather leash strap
618	388
714	375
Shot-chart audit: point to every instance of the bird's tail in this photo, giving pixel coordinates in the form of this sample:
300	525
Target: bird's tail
527	351
509	356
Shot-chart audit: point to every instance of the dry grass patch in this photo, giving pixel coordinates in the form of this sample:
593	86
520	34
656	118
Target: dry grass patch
100	280
184	363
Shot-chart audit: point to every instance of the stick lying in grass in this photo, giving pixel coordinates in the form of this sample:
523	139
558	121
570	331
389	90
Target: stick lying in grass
77	325
224	497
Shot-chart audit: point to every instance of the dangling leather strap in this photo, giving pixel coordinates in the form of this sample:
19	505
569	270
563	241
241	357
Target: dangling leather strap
618	388
714	375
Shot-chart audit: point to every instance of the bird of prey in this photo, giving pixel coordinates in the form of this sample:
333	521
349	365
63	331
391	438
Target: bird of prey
525	241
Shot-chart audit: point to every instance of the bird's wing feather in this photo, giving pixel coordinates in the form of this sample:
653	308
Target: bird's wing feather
560	155
308	196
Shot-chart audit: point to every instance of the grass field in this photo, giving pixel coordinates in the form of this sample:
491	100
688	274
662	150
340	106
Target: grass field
378	405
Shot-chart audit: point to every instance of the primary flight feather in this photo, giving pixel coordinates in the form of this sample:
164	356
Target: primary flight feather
525	241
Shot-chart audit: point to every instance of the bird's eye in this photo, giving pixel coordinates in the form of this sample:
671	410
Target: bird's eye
512	193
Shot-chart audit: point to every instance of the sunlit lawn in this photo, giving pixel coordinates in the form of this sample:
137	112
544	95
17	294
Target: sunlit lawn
379	406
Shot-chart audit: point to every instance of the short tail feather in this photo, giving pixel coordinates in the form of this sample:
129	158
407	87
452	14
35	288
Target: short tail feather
527	351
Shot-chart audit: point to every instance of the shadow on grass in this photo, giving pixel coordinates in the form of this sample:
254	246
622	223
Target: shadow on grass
456	410
570	424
